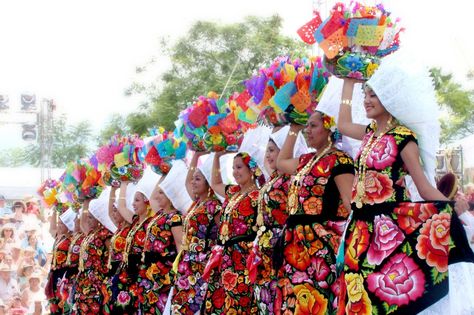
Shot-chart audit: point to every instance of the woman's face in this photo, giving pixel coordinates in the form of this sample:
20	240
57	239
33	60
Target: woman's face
199	184
241	172
140	204
162	200
34	282
116	216
90	223
62	228
373	106
316	134
7	233
271	154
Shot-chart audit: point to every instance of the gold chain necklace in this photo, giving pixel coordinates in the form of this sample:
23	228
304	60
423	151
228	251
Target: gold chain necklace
83	250
224	235
55	251
197	205
130	237
362	169
260	227
71	247
111	246
295	183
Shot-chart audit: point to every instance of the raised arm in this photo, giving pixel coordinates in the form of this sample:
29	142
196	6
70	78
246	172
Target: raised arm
122	203
192	168
216	181
111	204
286	163
344	122
411	158
85	211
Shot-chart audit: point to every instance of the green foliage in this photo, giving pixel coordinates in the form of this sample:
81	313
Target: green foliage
116	124
203	60
458	103
69	143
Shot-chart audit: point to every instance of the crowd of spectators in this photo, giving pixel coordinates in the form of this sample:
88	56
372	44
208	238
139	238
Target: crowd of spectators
25	247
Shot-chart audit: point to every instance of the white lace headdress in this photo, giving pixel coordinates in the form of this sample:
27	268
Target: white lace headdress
405	88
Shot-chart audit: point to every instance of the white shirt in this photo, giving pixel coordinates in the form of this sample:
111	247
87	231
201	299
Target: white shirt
8	290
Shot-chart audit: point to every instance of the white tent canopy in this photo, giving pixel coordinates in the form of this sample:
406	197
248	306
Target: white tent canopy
16	183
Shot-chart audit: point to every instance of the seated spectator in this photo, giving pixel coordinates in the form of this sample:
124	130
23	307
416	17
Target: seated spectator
7	232
8	285
16	308
34	292
32	207
40	254
24	272
3	308
4	209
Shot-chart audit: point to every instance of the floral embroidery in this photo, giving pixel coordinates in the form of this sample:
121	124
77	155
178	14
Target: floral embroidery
200	235
399	281
306	281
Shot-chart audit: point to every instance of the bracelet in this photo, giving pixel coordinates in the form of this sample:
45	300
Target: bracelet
347	102
122	198
292	133
192	168
218	172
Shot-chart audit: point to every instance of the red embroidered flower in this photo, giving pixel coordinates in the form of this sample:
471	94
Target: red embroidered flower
323	167
387	237
383	154
433	241
378	187
411	215
313	205
229	279
218	298
245	207
279	216
399	281
297	256
358	243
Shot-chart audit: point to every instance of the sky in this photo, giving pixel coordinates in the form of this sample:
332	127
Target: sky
83	54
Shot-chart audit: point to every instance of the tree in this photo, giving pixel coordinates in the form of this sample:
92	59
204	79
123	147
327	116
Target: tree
204	60
458	103
116	124
70	142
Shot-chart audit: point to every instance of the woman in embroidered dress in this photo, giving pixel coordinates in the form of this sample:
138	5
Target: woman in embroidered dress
126	294
397	252
162	244
200	234
93	255
69	283
116	247
318	206
58	265
271	218
229	289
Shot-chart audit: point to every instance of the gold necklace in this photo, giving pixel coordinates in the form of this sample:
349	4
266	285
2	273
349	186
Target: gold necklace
197	205
260	227
362	169
83	250
130	237
55	251
71	247
224	235
111	246
295	183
